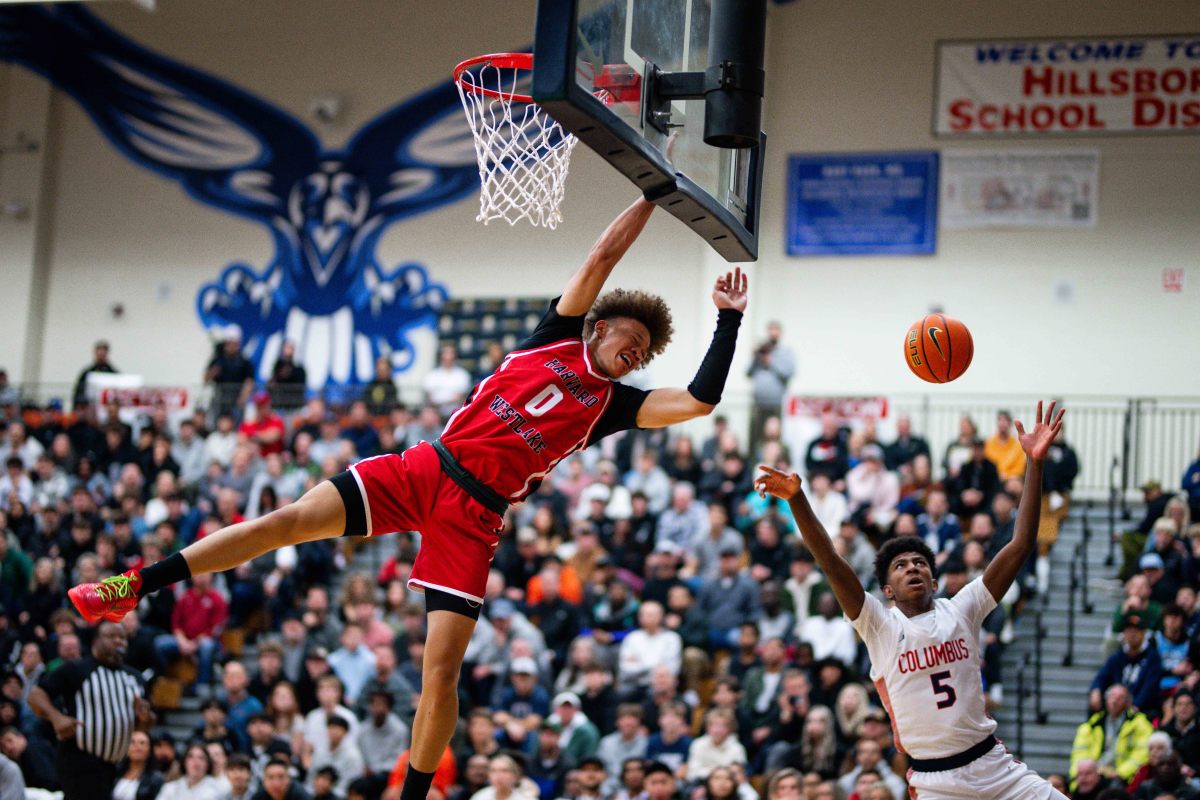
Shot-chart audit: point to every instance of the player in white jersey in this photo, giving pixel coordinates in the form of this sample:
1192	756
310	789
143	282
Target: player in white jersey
925	653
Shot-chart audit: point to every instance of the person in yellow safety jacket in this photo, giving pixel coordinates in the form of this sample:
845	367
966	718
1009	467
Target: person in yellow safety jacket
1116	738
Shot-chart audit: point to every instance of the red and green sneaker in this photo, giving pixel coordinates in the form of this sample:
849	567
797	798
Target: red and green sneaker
110	599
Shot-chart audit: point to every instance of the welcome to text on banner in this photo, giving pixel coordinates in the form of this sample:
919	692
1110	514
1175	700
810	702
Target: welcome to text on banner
1042	86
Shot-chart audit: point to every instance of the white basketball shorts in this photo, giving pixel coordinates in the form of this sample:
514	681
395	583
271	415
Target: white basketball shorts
994	776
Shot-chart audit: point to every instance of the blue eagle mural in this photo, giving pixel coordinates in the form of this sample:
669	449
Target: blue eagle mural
325	209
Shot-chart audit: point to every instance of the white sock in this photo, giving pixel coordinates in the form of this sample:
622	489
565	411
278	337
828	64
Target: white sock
1043	574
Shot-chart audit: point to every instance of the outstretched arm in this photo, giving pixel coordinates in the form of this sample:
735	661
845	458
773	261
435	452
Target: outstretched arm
584	286
846	586
664	407
1008	562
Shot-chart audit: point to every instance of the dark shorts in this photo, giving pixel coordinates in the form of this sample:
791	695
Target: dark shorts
410	492
83	775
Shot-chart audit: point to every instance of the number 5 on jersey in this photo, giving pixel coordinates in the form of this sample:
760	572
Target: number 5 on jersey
940	687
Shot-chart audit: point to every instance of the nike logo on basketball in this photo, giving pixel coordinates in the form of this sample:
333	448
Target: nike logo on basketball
933	334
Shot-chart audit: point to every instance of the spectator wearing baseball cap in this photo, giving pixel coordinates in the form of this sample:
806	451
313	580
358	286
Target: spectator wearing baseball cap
1137	665
1151	566
1171	554
579	736
728	601
593	779
492	645
549	765
872	492
522	705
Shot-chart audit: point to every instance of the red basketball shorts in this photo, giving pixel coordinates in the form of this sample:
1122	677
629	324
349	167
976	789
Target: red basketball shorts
410	492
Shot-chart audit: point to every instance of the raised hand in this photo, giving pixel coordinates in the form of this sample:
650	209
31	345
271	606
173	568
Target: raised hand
730	290
776	483
1036	443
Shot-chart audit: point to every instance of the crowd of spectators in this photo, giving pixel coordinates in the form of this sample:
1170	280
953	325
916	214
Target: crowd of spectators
1141	738
653	628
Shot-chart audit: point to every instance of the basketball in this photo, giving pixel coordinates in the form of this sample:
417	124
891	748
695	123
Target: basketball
938	349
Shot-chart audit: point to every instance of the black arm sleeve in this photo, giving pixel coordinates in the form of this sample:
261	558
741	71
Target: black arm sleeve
709	382
553	327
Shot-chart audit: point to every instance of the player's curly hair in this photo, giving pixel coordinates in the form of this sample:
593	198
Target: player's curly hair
648	309
898	546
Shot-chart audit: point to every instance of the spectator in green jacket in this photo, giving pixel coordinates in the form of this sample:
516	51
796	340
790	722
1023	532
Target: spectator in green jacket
1116	738
579	737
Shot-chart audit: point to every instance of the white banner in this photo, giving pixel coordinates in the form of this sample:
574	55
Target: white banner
1019	188
1039	86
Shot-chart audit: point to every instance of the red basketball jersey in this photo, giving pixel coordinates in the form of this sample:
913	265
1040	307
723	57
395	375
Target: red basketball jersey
541	405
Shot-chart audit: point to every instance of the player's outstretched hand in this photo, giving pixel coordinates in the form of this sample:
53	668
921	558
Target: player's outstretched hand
776	483
1036	443
730	290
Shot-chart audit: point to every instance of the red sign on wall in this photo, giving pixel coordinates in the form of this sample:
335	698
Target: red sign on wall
1172	280
1037	86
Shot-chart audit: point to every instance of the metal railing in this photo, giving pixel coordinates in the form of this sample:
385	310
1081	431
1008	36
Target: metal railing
1078	584
1069	656
1024	688
1084	549
1022	693
1163	441
1114	491
1147	438
1039	636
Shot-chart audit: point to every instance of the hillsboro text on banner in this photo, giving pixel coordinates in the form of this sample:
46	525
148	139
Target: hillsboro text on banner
1147	84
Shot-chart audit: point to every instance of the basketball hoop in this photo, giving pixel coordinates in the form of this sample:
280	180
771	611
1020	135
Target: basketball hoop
523	153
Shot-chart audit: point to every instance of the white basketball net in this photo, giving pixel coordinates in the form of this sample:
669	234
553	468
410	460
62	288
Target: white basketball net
523	153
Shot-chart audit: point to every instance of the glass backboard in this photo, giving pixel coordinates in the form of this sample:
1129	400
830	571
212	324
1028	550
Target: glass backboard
590	73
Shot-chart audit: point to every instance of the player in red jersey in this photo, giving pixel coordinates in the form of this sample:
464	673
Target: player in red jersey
558	392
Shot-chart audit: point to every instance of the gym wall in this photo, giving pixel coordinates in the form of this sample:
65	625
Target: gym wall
102	230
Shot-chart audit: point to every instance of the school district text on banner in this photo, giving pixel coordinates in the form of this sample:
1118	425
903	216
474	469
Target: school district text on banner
1147	84
862	203
1020	188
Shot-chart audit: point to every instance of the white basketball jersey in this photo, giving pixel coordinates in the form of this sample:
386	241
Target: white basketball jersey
927	671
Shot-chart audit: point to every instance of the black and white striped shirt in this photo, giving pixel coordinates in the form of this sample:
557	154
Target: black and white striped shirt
102	699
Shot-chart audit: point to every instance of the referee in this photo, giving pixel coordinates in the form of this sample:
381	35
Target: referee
94	705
